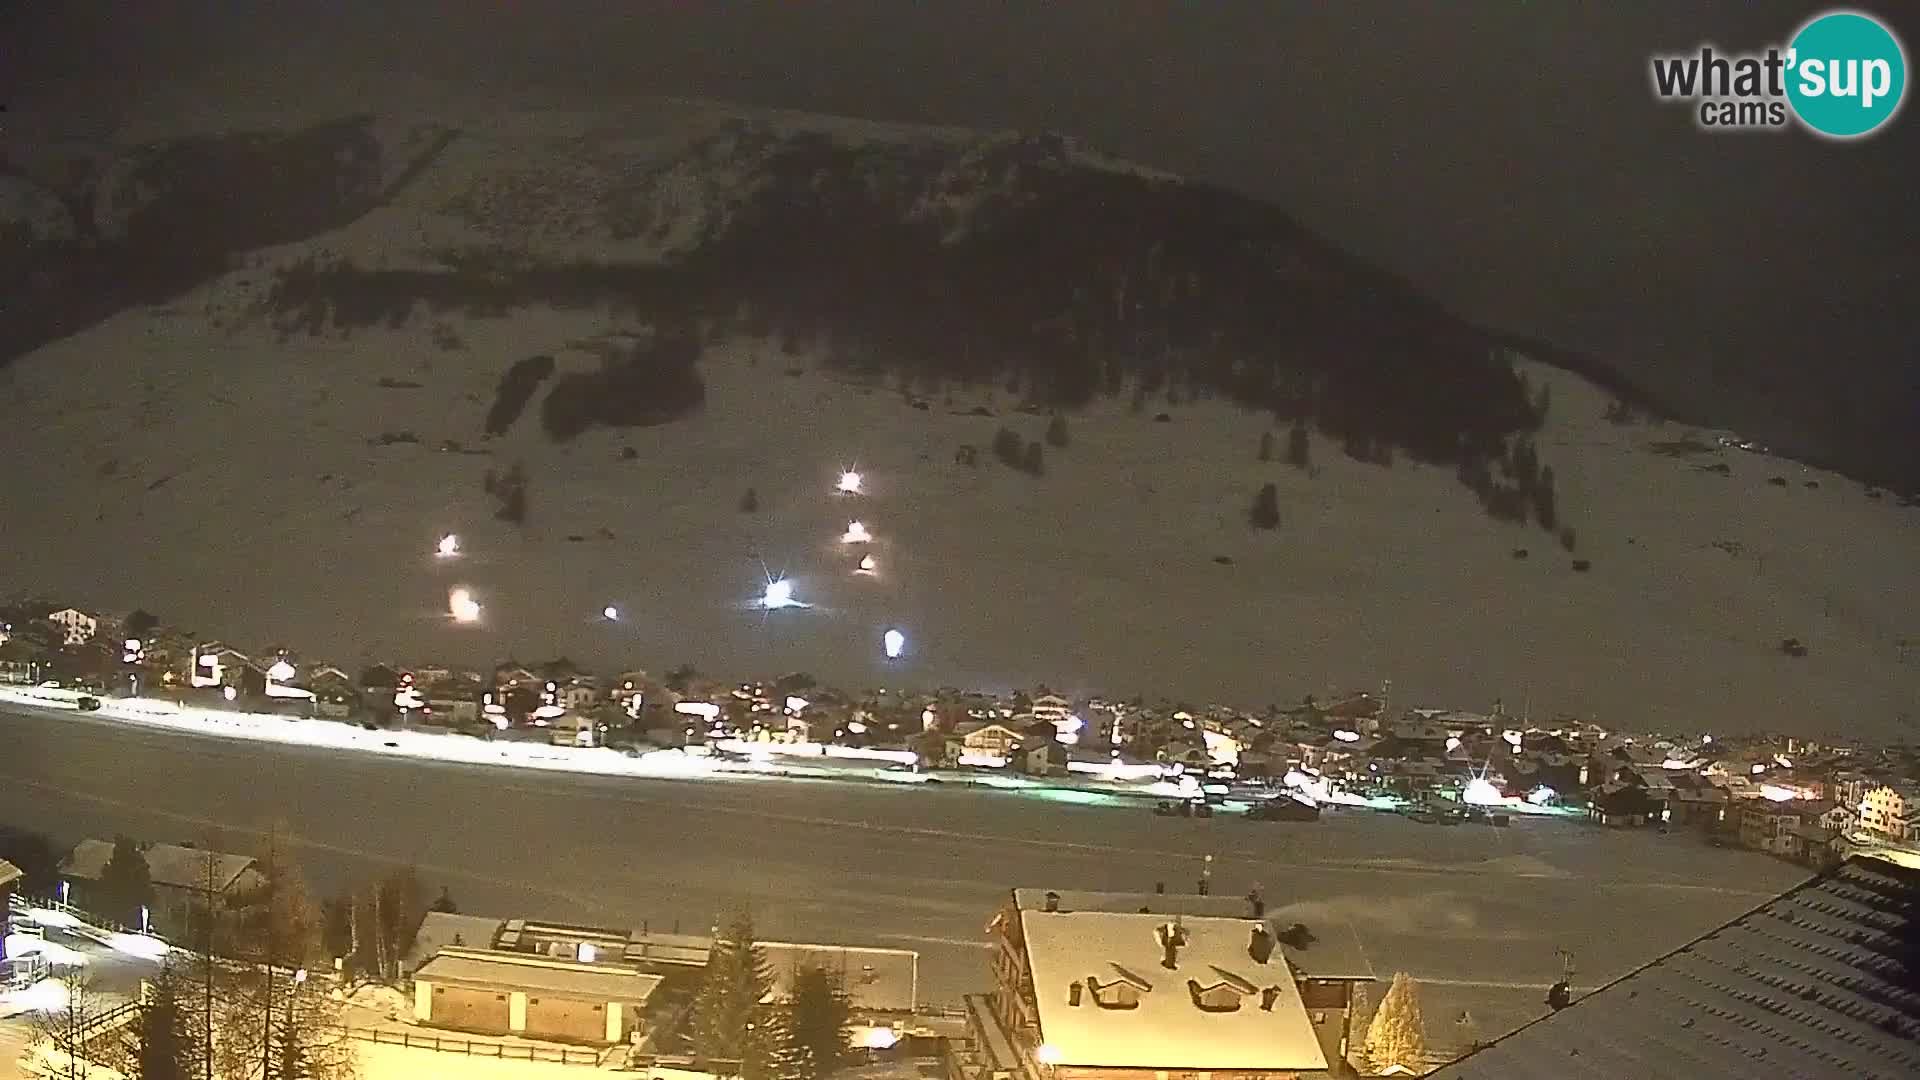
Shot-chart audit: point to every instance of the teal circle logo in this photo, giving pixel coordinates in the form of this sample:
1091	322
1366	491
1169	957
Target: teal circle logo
1847	74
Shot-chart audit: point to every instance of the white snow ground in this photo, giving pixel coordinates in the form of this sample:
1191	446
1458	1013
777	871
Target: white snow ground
180	459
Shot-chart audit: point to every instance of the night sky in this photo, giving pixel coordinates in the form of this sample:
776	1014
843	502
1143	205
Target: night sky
1508	157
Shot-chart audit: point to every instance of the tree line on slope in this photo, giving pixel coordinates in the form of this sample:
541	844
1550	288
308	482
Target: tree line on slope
1076	283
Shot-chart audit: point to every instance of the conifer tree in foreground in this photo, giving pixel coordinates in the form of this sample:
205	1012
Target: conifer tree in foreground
728	1010
820	1022
164	1043
1398	1034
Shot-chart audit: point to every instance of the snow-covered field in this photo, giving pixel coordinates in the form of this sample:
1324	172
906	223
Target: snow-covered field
278	522
184	460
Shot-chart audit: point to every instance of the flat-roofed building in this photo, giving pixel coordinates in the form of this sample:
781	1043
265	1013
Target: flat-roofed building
506	993
879	982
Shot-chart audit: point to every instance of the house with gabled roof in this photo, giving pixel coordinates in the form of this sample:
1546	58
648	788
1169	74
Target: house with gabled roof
183	878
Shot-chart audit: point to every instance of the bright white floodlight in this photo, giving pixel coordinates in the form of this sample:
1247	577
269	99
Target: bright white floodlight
869	564
1481	792
896	643
610	613
856	534
463	607
449	546
849	483
281	671
779	594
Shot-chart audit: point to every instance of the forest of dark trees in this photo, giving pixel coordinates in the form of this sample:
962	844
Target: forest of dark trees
1069	280
1066	282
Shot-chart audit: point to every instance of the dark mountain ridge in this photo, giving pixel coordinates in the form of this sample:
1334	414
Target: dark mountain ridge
1011	260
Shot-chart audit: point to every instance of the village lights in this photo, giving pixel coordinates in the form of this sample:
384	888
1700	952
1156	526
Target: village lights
850	482
856	534
449	546
462	606
895	643
610	613
779	594
281	671
869	564
1481	792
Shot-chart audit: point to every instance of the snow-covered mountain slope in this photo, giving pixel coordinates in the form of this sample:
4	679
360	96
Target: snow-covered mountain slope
271	456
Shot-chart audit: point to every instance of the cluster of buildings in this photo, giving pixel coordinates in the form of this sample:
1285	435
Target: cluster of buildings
1799	800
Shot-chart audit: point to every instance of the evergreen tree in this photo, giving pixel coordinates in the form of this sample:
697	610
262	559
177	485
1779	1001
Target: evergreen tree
1299	446
725	1010
126	886
772	1052
1034	463
1398	1034
1545	506
1007	447
164	1044
750	502
820	1022
1266	508
1057	431
1266	446
140	623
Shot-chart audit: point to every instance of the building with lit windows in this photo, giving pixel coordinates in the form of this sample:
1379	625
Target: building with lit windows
1892	810
76	626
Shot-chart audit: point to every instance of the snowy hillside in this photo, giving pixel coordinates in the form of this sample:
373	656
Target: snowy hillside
271	456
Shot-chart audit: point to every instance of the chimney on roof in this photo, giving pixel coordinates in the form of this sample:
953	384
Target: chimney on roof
1260	944
1267	998
1172	936
1298	936
1053	901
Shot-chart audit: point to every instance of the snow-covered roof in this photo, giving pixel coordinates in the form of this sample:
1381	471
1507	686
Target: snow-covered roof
875	979
1818	982
9	873
439	929
1262	1026
167	864
878	980
489	969
1331	951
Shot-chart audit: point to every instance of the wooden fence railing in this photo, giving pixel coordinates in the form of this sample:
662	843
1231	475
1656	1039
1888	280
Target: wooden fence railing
413	1040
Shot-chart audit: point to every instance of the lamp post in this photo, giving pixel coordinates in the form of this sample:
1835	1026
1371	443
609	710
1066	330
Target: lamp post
288	1047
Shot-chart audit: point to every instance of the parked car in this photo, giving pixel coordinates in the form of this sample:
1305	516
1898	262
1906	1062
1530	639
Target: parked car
89	704
1283	808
